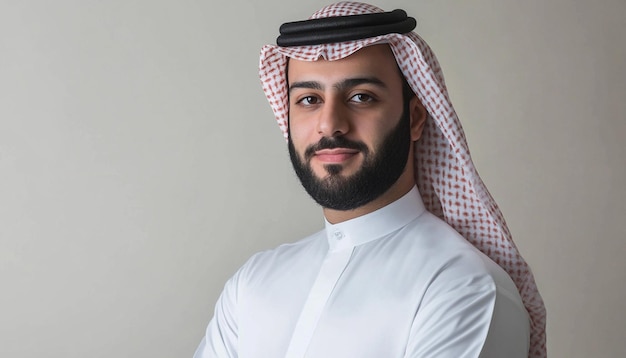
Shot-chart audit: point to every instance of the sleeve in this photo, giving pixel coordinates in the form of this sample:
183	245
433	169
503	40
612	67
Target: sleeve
471	321
220	340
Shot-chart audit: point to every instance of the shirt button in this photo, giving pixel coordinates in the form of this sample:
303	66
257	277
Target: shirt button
338	235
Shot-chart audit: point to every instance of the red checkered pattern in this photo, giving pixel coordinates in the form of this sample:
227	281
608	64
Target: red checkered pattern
445	174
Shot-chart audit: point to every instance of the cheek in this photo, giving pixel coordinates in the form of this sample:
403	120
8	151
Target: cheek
373	133
302	133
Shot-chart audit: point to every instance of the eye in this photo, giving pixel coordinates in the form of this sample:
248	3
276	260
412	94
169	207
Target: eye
362	98
308	100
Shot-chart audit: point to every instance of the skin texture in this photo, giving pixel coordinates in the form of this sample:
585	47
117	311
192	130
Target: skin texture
360	99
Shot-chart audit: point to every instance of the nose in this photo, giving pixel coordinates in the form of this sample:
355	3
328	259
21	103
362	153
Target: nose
333	119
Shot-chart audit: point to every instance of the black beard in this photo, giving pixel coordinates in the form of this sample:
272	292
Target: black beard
378	173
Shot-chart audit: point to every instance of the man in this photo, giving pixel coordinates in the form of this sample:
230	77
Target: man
375	141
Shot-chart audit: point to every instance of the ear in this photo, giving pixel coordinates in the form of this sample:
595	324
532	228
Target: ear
418	116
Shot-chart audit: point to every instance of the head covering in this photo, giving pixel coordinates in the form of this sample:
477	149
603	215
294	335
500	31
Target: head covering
444	173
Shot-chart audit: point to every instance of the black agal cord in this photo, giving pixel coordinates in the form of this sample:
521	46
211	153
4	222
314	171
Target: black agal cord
344	28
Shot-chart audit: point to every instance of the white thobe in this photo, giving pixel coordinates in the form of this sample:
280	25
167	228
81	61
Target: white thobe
397	282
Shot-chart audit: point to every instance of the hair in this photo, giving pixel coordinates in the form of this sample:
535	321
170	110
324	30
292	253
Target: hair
407	91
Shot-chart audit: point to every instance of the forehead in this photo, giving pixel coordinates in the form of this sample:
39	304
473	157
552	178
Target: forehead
372	61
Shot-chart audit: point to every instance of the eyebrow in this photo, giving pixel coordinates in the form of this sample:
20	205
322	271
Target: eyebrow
341	86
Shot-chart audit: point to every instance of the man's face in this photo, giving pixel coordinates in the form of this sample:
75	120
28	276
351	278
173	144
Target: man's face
349	132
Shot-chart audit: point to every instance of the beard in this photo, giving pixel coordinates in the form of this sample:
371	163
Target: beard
379	171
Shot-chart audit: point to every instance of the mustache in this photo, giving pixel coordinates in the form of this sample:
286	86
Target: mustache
332	143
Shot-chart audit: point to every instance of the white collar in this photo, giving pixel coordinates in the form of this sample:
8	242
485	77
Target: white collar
376	224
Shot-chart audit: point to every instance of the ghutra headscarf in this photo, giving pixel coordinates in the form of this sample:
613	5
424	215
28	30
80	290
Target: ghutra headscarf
445	175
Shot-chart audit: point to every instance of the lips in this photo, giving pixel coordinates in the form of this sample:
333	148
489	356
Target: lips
335	155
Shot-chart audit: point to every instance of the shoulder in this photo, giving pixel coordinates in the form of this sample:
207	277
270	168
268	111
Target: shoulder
464	283
452	262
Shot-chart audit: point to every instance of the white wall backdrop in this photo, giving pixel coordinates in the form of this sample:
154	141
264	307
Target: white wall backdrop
140	164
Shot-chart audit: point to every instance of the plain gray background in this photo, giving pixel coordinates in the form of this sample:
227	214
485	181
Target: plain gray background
140	164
